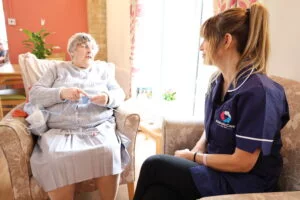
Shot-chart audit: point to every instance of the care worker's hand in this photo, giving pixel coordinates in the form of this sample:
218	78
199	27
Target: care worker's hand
184	153
100	99
72	94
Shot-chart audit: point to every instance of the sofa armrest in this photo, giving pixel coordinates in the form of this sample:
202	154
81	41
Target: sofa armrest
17	145
180	133
254	196
128	123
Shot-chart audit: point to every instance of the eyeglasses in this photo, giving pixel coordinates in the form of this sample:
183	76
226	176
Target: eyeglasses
85	45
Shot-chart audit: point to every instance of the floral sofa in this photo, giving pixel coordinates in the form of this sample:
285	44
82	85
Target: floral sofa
16	143
183	133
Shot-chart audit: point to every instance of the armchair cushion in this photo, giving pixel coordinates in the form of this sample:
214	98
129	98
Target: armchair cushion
32	68
180	133
260	196
290	176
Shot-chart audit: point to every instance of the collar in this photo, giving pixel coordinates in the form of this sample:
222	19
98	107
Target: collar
244	76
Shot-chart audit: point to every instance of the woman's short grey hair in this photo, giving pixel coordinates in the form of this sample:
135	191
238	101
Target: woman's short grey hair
81	38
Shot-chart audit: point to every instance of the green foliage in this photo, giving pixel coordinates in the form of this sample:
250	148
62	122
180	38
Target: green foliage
169	95
36	43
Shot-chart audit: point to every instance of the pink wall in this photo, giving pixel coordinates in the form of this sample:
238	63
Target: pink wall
64	17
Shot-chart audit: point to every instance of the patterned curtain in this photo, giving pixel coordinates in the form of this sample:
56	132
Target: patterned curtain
135	13
226	4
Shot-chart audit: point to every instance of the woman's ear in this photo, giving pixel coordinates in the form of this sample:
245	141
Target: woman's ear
227	40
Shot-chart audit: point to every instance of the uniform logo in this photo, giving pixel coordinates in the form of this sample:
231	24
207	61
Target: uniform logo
225	117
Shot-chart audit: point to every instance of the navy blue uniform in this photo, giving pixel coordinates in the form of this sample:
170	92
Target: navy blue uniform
249	117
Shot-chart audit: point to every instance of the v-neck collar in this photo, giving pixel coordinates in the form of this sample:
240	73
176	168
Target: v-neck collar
245	74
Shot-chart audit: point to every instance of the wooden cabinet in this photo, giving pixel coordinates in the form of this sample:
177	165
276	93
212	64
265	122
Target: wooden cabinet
12	90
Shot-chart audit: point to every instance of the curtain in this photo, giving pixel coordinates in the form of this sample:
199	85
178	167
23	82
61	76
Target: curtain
226	4
135	13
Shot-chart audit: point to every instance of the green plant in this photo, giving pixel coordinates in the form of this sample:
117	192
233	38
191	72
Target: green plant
36	42
169	95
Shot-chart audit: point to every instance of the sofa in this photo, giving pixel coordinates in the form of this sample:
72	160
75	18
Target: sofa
178	133
16	143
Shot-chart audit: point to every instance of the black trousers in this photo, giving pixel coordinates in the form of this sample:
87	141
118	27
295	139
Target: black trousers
166	177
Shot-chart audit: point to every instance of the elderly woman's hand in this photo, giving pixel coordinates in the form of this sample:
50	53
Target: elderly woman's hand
72	94
100	99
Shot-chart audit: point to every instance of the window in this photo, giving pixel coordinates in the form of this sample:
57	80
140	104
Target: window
4	59
2	24
167	56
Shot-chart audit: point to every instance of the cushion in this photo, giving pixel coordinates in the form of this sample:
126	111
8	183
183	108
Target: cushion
290	176
33	68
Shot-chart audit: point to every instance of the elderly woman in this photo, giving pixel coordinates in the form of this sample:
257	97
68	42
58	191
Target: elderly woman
77	138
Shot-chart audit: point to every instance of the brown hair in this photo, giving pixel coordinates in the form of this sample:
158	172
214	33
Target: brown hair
250	29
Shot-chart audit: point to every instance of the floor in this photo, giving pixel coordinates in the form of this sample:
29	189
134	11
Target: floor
145	147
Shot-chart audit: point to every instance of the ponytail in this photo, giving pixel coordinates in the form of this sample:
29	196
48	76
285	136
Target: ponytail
256	52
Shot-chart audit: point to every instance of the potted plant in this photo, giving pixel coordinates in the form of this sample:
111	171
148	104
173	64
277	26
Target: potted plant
36	42
169	102
169	95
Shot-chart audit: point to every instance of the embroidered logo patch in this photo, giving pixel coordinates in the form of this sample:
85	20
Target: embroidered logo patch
225	117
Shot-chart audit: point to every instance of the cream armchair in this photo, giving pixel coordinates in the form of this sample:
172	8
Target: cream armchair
16	144
179	134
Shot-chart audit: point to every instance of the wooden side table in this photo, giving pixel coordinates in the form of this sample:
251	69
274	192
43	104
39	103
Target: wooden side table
149	124
153	130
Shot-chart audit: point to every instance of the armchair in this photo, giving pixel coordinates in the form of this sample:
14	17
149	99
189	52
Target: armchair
17	143
179	134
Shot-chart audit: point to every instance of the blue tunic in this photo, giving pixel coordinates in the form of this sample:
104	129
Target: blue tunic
249	117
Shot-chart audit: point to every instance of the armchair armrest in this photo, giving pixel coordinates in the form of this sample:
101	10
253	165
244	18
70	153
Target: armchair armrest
128	123
17	145
254	196
180	133
127	120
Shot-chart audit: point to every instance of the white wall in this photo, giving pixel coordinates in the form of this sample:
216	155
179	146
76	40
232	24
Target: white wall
118	40
285	38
